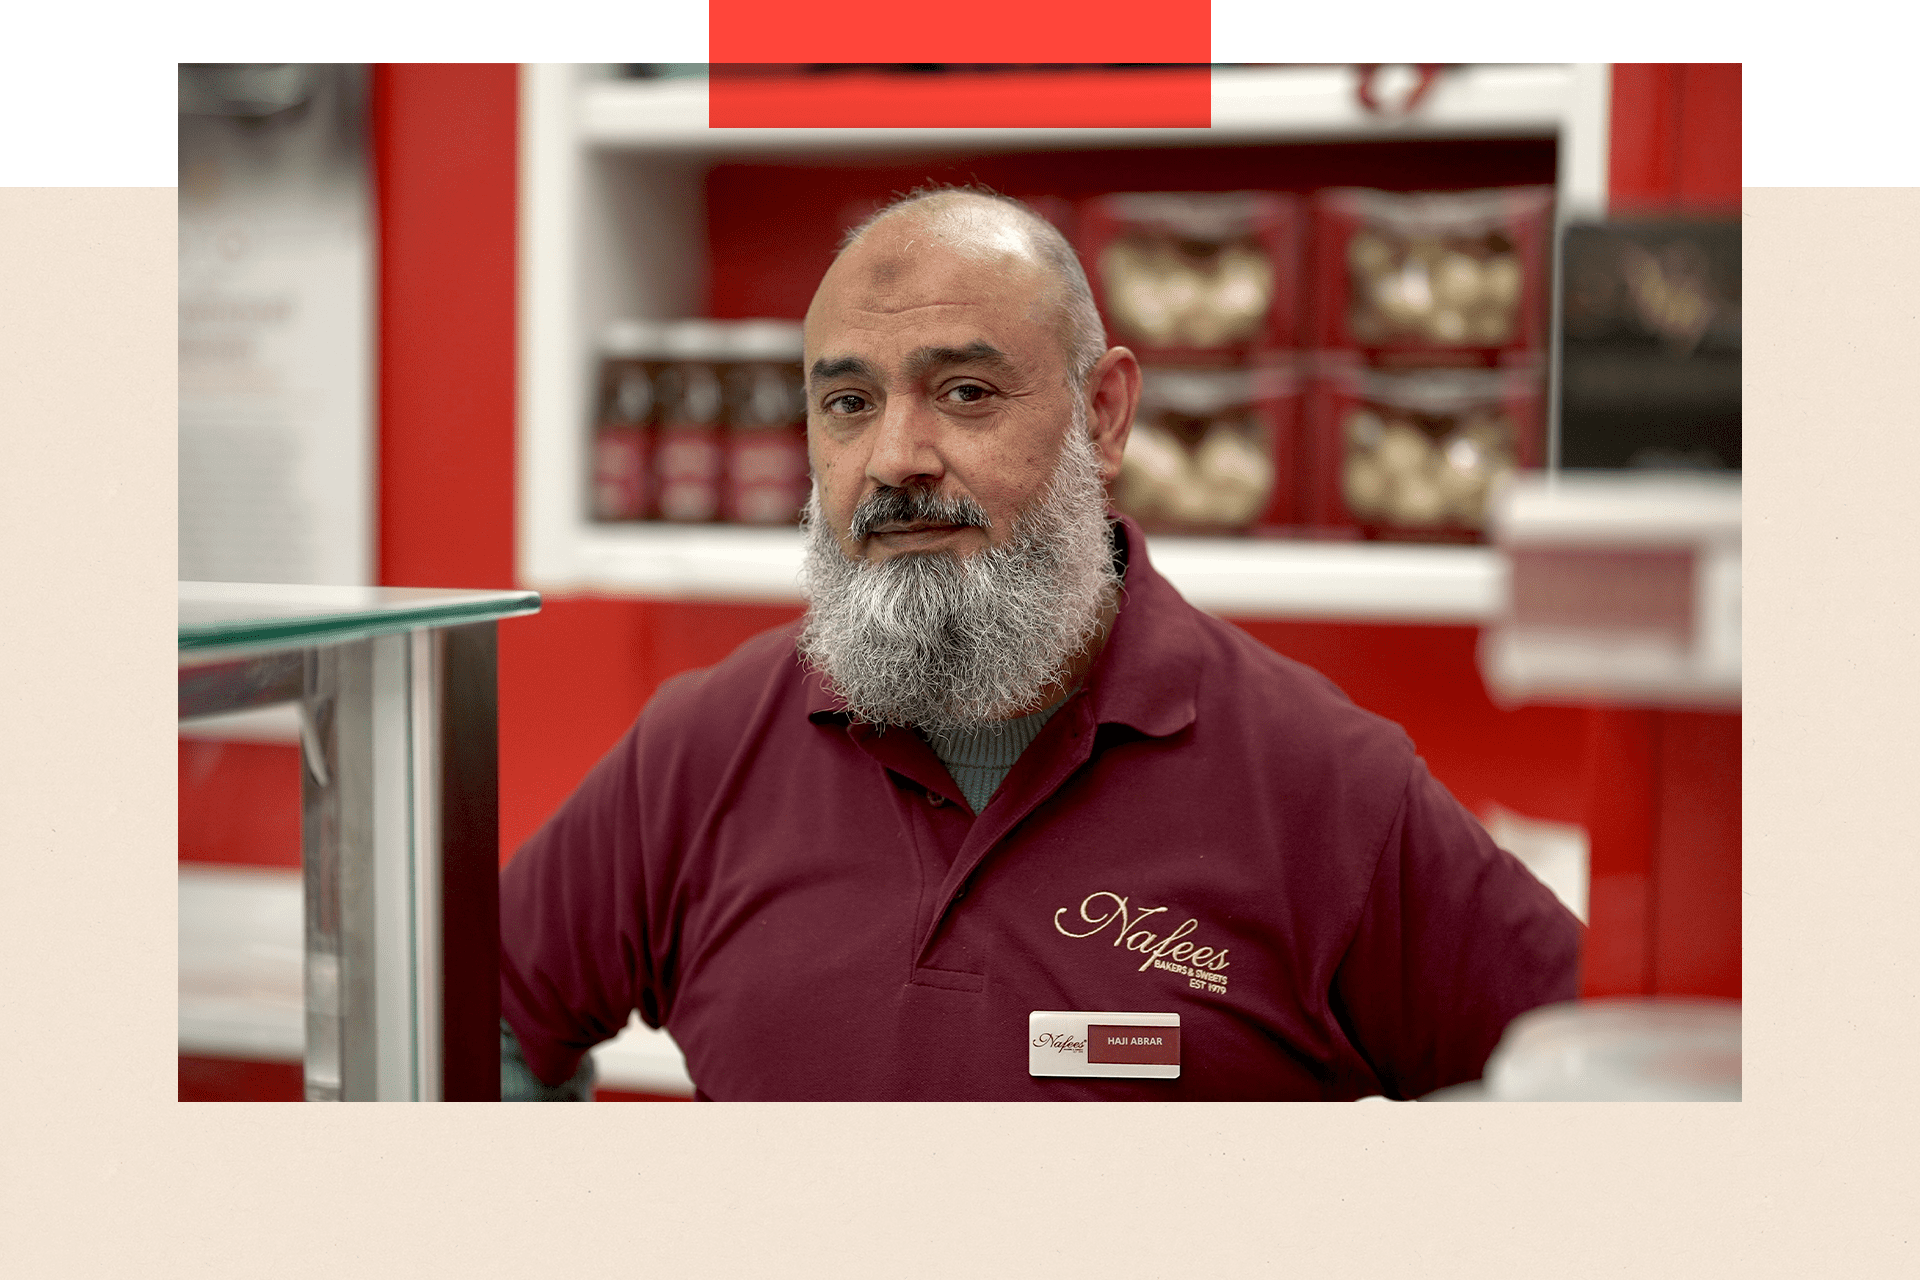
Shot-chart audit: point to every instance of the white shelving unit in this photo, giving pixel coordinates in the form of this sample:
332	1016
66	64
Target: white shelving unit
611	225
242	989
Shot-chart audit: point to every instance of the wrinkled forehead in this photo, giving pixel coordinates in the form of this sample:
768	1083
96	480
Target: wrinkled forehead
936	249
959	266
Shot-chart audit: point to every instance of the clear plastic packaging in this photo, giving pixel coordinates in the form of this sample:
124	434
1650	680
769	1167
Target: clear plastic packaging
1414	454
1431	278
1195	277
1212	450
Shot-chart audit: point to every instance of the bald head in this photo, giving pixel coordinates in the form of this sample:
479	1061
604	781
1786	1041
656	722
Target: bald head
1001	234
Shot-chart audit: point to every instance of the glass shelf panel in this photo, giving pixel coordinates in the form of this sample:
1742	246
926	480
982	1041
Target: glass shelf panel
253	616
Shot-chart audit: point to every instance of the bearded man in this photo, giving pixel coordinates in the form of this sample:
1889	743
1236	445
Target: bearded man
1003	816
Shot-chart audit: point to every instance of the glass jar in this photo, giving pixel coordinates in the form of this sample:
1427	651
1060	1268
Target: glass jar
766	463
689	454
631	356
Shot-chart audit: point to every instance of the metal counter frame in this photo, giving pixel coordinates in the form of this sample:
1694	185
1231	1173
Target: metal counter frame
397	691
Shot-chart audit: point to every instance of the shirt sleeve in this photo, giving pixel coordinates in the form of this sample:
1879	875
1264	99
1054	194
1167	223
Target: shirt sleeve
1456	939
574	956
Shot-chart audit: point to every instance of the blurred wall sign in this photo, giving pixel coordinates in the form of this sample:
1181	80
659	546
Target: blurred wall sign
1650	348
276	325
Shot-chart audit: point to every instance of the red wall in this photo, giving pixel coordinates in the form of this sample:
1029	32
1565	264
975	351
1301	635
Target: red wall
1658	790
1675	137
445	173
240	803
1663	795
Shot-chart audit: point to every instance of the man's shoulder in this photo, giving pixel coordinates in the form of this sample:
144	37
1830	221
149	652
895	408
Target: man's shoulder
1279	704
1289	710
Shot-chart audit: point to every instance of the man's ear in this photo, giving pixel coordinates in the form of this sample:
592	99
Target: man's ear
1114	391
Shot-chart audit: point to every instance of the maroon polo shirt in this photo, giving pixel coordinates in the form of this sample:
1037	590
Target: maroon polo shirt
1206	828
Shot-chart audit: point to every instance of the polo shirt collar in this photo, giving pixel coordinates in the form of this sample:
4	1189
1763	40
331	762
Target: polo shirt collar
1145	678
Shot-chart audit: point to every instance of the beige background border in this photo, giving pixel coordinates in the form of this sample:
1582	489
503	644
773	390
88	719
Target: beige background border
103	1174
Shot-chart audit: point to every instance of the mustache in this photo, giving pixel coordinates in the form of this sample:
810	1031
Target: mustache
888	504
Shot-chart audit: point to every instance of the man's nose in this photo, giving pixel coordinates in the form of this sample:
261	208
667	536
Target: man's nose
906	449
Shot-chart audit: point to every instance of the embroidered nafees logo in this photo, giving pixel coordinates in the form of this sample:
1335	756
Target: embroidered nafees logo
1202	967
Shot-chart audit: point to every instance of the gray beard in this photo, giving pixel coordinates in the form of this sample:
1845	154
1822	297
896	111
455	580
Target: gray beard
945	642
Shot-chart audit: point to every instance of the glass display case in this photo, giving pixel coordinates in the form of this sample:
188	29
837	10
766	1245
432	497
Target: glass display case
396	696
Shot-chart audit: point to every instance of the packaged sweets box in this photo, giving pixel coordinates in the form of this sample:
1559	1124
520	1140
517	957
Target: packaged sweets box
1214	451
1241	430
1195	278
1413	455
1425	279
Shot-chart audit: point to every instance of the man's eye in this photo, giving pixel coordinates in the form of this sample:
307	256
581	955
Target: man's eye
968	393
846	402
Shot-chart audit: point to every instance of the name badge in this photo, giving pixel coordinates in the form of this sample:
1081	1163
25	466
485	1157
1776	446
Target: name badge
1138	1046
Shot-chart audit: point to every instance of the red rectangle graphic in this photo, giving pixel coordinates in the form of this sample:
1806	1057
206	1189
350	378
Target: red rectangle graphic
1158	1045
1155	97
987	31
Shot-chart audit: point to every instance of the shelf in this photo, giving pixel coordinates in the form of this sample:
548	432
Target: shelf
1360	581
1621	509
279	723
1250	104
1236	577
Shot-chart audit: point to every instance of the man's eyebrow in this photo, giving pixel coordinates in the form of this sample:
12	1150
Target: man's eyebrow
919	364
824	368
927	359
